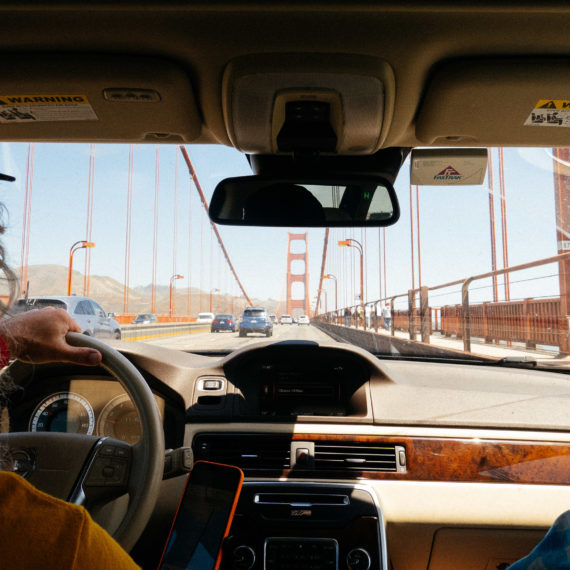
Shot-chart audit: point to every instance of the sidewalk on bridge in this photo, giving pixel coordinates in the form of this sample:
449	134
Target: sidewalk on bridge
478	346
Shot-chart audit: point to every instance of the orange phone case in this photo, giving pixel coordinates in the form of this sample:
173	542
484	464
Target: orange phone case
230	516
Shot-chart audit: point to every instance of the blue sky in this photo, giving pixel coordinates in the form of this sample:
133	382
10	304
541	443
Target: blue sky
454	223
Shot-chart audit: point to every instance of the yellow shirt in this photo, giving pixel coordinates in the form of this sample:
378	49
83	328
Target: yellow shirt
39	531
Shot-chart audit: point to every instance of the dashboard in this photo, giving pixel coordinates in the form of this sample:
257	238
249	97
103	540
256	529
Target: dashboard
71	400
466	462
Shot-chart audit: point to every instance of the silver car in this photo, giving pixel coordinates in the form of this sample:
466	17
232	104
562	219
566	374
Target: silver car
85	311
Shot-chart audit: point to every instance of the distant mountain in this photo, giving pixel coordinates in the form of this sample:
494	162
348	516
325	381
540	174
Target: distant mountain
108	292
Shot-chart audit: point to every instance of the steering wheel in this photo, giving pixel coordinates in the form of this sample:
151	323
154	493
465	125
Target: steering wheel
90	470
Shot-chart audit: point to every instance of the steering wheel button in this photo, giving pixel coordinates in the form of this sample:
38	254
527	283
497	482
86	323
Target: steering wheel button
107	450
108	472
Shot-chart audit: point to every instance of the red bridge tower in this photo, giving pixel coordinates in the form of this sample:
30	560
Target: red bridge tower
295	277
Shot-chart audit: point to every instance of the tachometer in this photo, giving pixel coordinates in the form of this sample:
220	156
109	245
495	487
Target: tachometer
120	419
64	412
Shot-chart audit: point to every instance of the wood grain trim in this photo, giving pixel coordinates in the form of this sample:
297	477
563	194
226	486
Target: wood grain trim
463	460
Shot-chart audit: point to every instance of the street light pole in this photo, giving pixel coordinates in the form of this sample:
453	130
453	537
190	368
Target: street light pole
356	244
170	301
212	291
81	244
331	276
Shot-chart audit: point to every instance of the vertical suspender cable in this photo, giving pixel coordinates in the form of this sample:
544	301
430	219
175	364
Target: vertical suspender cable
155	233
419	241
412	237
201	258
323	263
27	217
380	263
504	224
89	220
128	231
189	271
384	245
175	233
364	246
492	225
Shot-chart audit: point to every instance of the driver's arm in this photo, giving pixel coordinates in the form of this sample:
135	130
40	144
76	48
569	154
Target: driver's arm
38	336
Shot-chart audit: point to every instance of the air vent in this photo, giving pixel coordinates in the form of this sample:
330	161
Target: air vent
356	456
248	451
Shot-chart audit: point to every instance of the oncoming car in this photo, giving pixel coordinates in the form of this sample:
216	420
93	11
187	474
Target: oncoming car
88	313
145	319
205	317
397	172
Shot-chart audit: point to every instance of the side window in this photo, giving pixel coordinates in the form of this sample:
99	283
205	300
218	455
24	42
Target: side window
84	308
98	310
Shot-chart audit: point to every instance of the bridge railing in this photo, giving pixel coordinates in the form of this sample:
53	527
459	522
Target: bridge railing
529	321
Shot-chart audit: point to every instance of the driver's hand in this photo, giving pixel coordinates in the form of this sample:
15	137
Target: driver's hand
38	336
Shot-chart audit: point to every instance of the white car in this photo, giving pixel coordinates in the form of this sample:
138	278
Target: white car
286	320
303	320
205	318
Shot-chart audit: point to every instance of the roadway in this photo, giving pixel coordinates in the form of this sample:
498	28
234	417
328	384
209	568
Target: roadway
228	341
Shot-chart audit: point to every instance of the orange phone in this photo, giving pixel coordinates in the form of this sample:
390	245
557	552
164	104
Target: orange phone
203	518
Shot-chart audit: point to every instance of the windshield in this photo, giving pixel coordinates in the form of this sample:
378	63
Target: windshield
467	272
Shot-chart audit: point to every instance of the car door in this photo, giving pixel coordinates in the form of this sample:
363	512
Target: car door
84	314
102	322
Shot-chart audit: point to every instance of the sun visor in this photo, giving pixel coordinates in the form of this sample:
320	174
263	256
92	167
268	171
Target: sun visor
497	103
308	102
107	99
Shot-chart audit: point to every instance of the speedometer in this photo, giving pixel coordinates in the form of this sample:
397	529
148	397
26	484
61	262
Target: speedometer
64	412
120	419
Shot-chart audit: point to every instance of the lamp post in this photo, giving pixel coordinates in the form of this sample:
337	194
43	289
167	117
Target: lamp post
212	291
81	244
356	244
170	300
330	276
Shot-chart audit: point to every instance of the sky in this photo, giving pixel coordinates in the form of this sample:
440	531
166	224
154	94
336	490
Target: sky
454	224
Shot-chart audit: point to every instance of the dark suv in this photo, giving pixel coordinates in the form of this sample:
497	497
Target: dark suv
255	320
223	322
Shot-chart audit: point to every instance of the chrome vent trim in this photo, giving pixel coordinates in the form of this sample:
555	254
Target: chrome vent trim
356	456
247	451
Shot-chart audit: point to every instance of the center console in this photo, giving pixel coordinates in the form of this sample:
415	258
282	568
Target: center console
302	526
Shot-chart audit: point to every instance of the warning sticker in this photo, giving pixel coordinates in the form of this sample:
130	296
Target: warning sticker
38	108
550	113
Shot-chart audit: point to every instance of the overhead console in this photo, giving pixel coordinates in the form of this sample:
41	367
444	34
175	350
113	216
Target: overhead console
336	104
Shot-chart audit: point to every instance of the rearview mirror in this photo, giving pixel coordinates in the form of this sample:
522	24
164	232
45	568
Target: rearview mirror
306	202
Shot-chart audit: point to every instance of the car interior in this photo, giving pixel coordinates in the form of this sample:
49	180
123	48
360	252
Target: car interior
366	461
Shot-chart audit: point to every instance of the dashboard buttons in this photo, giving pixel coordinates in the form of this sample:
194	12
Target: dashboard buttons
243	558
358	559
301	553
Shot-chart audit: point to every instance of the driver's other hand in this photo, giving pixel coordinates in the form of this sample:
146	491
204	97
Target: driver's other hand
38	336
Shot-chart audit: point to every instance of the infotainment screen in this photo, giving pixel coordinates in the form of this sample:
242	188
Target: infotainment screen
203	518
301	397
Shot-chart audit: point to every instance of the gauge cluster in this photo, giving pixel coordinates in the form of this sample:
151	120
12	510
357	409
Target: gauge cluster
89	406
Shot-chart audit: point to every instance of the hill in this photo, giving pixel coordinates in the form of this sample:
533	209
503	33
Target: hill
108	292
